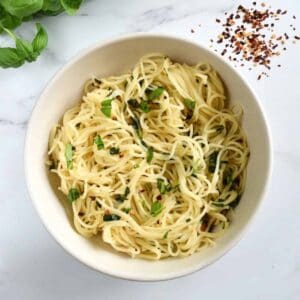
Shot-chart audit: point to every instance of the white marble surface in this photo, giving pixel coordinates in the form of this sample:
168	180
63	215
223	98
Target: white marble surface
264	265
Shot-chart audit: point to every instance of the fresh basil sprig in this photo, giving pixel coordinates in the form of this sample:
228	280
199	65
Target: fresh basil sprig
14	12
24	51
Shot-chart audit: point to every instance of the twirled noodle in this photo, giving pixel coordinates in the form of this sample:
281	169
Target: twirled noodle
174	203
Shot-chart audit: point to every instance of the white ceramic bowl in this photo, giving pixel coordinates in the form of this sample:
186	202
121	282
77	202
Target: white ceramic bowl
64	90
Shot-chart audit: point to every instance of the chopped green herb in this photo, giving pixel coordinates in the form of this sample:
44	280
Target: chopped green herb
154	94
188	220
126	209
219	128
144	143
114	150
227	176
135	123
149	154
99	142
136	166
73	194
144	106
122	198
162	187
166	234
106	107
133	103
111	217
69	155
212	161
219	204
156	208
190	104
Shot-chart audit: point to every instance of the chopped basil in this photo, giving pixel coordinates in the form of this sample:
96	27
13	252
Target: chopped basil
212	161
188	220
69	155
156	208
111	217
122	198
219	128
162	187
227	176
136	166
166	234
126	210
135	123
219	204
99	142
144	106
190	104
133	103
73	194
149	154
154	94
106	107
114	150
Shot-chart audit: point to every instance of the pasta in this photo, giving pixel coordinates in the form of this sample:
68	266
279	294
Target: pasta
154	159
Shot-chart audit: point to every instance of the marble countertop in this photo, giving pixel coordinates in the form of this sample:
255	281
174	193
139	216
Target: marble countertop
264	265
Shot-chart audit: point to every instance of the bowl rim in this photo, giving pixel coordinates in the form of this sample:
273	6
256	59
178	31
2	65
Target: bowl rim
75	59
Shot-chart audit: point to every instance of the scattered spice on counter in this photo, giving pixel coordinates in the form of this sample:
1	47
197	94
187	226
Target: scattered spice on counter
249	36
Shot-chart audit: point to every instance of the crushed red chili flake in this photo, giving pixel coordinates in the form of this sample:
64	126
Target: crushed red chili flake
249	35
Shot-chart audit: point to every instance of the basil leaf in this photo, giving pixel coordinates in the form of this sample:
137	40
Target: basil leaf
71	6
122	198
218	204
12	58
69	155
106	107
166	234
73	194
40	41
154	94
7	20
190	104
219	128
156	208
52	7
149	154
227	176
9	58
24	50
114	150
99	142
162	187
22	8
212	161
126	209
144	106
111	217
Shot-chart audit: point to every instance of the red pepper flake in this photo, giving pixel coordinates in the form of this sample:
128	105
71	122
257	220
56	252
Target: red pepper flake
248	35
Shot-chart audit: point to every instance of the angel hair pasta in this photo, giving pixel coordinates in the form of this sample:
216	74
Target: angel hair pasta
154	160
